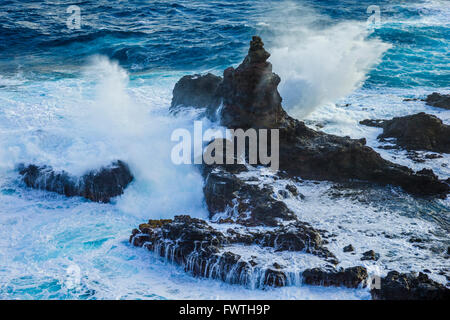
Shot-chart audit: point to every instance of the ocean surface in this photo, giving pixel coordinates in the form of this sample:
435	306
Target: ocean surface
77	99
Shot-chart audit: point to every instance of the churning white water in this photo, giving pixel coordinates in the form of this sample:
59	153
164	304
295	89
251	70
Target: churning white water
53	247
84	124
319	67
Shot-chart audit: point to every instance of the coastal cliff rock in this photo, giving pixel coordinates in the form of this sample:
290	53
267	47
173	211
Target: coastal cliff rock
198	91
438	100
401	286
420	131
97	185
242	202
251	100
204	251
249	92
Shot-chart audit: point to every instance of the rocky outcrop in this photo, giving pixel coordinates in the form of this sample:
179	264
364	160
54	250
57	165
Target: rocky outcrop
205	251
350	277
98	185
401	286
239	206
370	255
186	231
416	132
250	95
349	248
319	156
438	100
242	202
198	91
251	100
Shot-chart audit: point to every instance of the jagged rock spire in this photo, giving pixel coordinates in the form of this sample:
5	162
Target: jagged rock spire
256	52
250	95
251	100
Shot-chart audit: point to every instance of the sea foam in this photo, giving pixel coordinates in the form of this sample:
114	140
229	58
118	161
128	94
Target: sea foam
322	66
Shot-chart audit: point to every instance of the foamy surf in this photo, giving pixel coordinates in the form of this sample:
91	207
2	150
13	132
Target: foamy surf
322	66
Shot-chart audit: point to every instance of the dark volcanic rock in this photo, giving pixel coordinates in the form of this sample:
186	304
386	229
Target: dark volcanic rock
275	278
298	236
292	189
438	100
235	200
319	156
370	255
349	248
373	123
350	277
97	185
416	132
250	95
202	250
199	91
251	100
244	203
401	286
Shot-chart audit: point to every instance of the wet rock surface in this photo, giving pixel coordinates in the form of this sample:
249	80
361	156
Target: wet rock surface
97	185
370	255
205	251
438	100
242	202
401	286
246	213
251	100
416	132
198	91
349	248
350	277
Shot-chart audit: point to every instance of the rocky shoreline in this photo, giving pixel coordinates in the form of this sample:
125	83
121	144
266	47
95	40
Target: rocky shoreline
251	100
249	225
205	251
438	100
247	97
420	131
97	185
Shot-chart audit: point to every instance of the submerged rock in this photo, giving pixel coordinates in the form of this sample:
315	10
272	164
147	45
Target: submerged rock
438	100
349	248
97	185
416	132
293	190
370	255
401	286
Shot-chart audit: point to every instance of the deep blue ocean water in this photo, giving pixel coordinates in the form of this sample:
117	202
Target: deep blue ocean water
77	99
202	35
